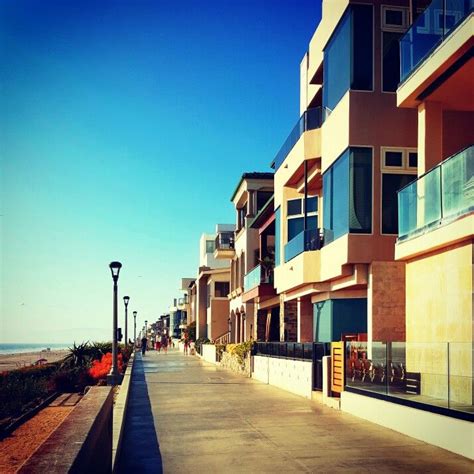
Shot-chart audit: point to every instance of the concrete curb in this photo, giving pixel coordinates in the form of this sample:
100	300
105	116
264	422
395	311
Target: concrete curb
120	410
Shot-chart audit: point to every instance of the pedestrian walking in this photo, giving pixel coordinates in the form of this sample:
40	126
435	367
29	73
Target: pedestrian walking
158	343
186	345
144	343
164	343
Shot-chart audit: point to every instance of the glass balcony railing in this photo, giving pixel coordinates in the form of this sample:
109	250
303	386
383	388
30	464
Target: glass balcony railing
444	192
225	241
433	373
256	277
309	239
439	19
310	120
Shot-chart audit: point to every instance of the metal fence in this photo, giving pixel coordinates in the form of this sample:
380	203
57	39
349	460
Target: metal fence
309	351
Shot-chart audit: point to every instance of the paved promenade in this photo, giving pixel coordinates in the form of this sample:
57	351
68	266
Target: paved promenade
188	416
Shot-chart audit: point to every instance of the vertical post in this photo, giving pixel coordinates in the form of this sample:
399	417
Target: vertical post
449	385
305	218
126	324
114	338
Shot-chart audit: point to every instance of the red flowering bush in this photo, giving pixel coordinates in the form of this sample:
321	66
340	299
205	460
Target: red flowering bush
100	368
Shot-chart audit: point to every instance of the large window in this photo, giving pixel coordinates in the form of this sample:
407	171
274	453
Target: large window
221	289
394	25
347	194
295	215
277	236
348	56
262	198
210	246
399	167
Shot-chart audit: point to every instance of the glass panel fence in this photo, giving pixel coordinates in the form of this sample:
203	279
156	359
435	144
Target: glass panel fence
310	120
458	183
253	278
443	192
437	374
429	29
305	241
407	209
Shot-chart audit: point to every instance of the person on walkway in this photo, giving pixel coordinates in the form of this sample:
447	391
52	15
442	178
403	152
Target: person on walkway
144	343
186	345
164	343
158	343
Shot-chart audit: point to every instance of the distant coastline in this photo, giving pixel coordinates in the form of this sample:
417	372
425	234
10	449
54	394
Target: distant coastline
21	348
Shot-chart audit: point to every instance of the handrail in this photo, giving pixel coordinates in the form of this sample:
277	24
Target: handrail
223	338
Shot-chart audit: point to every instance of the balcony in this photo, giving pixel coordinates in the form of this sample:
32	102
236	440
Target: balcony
224	248
429	30
258	282
443	194
310	120
307	240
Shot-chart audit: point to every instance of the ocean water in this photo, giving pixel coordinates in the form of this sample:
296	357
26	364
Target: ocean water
13	348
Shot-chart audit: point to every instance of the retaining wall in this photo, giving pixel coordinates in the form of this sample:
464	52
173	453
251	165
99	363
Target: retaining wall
83	442
295	376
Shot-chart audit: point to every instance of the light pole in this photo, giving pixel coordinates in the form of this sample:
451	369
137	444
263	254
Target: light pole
113	376
134	327
146	332
229	323
126	299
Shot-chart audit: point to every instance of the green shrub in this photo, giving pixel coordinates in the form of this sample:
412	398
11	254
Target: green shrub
19	388
240	350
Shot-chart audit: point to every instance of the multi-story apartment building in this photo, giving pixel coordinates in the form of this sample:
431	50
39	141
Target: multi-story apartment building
251	194
210	290
436	210
336	179
258	282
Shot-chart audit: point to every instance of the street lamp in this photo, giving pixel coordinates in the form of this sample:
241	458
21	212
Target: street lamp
113	376
146	332
134	327
126	299
229	327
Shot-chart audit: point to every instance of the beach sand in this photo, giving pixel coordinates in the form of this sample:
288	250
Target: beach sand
17	361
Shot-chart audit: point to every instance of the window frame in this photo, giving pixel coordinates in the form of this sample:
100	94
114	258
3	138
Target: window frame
384	28
403	170
301	215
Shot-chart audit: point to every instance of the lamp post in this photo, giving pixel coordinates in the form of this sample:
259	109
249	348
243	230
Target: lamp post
126	299
146	332
229	327
134	327
113	376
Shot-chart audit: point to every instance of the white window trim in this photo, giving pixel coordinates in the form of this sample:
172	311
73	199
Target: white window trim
405	168
395	28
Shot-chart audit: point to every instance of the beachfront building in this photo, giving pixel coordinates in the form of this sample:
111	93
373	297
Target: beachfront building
336	178
212	285
436	211
258	282
251	194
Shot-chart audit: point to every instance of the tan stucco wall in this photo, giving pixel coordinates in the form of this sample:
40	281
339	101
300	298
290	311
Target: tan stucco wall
439	304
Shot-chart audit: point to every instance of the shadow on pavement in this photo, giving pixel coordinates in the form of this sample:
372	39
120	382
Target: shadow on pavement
140	450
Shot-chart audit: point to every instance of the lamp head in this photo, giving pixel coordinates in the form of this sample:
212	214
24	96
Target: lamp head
126	299
115	269
134	314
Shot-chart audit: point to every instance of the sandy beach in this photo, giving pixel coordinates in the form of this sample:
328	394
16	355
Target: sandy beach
16	361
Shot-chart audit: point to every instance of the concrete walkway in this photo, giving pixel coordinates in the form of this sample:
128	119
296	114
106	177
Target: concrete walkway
188	416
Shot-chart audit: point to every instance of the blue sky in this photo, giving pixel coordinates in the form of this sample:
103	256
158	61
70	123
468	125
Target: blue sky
124	128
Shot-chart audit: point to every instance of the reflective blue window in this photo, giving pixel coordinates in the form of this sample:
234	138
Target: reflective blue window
337	64
348	56
277	237
347	194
